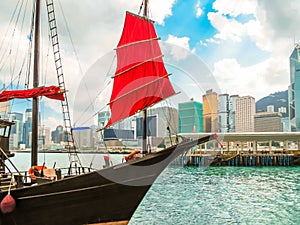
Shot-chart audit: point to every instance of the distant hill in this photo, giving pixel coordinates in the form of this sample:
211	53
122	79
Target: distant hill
278	99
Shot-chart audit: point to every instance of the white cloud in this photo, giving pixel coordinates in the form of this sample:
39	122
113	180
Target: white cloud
199	10
181	42
235	7
257	80
227	28
230	28
52	123
159	10
272	29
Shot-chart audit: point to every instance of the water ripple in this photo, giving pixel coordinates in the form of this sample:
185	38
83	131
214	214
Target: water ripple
223	195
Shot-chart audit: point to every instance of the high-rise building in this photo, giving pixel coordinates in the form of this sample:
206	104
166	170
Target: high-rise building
210	111
267	122
162	120
245	110
223	113
45	136
232	112
294	89
16	136
83	137
286	125
190	117
59	135
27	128
4	109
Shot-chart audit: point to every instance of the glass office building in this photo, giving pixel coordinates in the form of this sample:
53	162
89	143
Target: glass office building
294	89
190	117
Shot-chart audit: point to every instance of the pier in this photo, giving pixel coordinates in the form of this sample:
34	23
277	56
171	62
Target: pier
244	149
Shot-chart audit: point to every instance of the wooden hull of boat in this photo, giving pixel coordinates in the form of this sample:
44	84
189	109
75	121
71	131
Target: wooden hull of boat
108	195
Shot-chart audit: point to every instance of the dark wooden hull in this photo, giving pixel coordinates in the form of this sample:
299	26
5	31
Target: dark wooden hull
107	195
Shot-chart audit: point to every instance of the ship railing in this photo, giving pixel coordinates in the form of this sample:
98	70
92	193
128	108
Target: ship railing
23	178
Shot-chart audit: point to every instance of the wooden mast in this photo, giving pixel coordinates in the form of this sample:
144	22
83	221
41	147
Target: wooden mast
35	101
145	110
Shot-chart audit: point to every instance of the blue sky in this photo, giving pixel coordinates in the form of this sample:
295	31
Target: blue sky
245	44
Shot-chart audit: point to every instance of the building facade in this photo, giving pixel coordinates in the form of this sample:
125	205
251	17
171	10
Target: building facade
245	110
190	117
161	122
223	113
16	136
232	113
59	135
267	122
83	137
294	89
27	128
210	111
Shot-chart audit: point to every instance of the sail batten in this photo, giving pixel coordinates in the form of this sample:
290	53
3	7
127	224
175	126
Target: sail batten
137	42
141	87
140	64
141	79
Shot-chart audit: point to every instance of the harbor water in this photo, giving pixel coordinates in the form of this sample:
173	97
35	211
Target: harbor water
210	195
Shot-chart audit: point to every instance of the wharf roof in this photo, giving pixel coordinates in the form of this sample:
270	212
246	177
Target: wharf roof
250	136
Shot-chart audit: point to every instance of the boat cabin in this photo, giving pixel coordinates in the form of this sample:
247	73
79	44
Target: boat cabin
5	129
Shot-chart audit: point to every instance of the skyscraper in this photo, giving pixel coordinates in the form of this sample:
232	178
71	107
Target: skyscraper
27	128
232	112
210	111
245	110
16	136
223	113
294	89
190	117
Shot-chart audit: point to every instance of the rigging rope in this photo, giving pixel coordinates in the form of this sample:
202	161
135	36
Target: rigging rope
20	36
6	34
99	94
30	48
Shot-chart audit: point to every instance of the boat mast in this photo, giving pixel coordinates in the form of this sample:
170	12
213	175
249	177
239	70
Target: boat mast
35	101
145	110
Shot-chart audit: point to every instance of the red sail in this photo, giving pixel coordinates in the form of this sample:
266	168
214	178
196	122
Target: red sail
52	92
141	79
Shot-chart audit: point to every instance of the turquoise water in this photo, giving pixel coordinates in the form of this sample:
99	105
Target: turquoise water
213	195
223	195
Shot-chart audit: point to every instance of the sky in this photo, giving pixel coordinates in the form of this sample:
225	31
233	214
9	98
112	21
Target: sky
245	44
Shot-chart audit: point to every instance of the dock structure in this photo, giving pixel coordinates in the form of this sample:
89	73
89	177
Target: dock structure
244	149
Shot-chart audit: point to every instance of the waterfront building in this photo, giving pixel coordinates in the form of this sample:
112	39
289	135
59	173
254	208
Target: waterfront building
223	113
270	108
282	110
294	89
286	125
161	122
59	135
4	109
83	137
267	122
103	118
27	128
45	136
16	136
190	117
245	110
232	113
210	111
